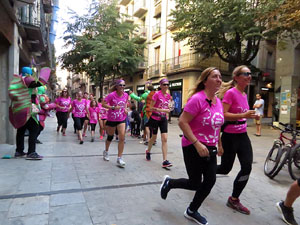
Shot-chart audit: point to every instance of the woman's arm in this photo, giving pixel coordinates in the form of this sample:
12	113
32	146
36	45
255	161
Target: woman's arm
184	120
236	116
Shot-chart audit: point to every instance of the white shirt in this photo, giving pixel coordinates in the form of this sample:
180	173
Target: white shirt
259	111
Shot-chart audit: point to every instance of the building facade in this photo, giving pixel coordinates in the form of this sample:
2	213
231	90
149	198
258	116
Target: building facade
24	40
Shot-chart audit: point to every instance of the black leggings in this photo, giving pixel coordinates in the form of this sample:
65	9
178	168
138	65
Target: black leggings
62	119
202	175
240	145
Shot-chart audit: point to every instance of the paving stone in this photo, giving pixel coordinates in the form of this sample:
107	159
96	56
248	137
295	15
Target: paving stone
66	199
29	206
30	220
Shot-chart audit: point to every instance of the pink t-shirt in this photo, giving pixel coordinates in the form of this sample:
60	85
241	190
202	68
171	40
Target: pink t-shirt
64	102
102	111
113	99
79	108
238	104
162	102
88	103
94	114
207	120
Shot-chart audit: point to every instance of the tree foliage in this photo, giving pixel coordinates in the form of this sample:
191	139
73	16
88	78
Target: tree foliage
232	29
101	44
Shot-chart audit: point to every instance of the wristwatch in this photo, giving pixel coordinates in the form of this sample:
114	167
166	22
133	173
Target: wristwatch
113	107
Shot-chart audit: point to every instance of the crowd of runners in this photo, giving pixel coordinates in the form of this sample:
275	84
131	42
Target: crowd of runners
213	122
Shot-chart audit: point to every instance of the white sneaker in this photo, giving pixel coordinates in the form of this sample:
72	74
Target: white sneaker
105	156
120	162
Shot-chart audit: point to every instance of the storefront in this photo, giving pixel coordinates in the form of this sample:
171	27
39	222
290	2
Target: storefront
176	93
127	89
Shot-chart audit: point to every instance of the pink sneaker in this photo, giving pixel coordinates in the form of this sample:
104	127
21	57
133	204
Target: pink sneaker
237	205
101	137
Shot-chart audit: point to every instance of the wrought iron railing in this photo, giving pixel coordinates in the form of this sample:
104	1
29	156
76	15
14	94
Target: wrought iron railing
192	60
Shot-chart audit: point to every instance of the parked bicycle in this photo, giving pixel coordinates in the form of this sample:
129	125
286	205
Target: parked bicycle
294	162
279	154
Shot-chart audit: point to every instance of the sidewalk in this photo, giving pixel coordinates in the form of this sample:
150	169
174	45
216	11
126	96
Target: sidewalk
73	185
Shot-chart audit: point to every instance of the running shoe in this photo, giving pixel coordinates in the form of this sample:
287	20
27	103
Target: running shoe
287	213
195	216
237	205
81	142
34	156
148	155
105	156
164	187
92	140
84	135
64	134
20	154
38	141
101	137
120	162
166	163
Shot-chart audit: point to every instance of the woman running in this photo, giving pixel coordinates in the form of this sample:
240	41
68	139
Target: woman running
93	115
200	122
80	110
63	103
235	139
103	118
160	107
116	103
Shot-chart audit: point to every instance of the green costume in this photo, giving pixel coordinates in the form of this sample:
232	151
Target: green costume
142	97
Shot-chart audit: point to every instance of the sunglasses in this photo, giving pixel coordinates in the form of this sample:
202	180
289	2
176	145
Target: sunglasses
165	84
246	74
121	85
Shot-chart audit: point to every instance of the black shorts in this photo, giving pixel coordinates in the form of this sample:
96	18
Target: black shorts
93	126
161	124
86	118
298	182
79	122
114	123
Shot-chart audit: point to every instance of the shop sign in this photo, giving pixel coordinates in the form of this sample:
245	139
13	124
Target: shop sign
176	84
140	88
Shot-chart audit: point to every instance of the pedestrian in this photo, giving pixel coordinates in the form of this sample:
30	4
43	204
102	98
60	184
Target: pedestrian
93	115
86	96
24	109
145	115
63	104
200	122
160	107
235	139
286	207
259	112
116	103
80	111
136	121
103	118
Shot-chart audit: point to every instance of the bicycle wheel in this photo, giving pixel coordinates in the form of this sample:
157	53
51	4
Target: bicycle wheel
294	163
272	160
284	156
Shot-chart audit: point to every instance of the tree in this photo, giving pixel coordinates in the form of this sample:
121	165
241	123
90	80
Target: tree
232	29
102	45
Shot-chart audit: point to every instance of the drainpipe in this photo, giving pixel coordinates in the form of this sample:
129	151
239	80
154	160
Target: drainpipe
54	21
166	38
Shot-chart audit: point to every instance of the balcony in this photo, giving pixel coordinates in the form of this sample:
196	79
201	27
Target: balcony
47	6
140	8
156	31
129	19
32	18
142	66
154	71
189	62
141	33
124	2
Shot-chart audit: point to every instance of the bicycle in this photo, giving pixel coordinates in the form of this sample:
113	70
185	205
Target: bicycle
294	162
273	157
280	152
